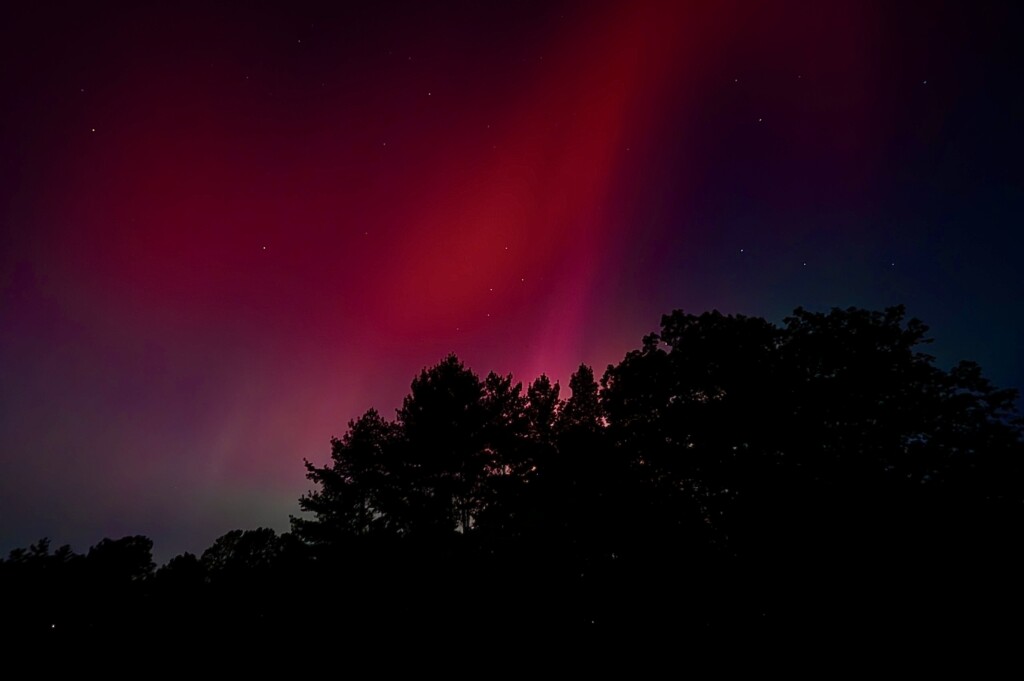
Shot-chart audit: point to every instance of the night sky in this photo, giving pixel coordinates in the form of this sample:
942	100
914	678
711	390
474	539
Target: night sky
225	230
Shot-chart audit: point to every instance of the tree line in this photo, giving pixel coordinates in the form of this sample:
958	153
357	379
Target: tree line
730	476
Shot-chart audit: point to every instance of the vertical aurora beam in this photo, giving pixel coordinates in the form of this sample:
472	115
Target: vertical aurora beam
235	232
527	229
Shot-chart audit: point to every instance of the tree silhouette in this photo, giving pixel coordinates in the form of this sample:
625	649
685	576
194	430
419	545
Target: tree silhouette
360	489
730	476
182	574
582	411
123	561
542	408
242	552
445	461
42	590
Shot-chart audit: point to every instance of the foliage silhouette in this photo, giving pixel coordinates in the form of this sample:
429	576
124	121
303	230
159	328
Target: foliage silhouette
730	477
